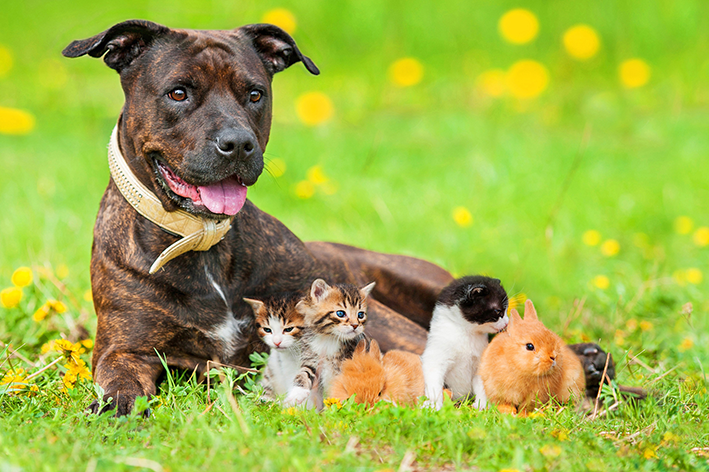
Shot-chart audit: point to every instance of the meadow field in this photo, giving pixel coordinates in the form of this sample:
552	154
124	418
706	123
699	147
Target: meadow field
562	148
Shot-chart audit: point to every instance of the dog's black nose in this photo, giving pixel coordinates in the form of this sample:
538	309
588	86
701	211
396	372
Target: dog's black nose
235	143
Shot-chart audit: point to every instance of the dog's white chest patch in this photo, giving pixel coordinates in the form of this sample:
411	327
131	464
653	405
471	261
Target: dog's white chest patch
228	334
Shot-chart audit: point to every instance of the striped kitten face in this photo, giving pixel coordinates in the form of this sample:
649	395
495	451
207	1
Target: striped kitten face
338	310
277	321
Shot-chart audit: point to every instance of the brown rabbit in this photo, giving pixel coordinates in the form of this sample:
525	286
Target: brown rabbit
395	377
528	365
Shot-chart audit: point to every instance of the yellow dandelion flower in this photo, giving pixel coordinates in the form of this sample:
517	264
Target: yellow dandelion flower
406	72
69	350
701	236
634	73
646	326
304	189
680	277
88	296
333	402
518	26
15	380
57	306
619	337
650	453
685	345
41	313
509	470
87	343
527	79
536	414
10	297
316	175
610	247
550	451
277	167
22	277
517	300
289	411
694	276
14	121
492	82
632	324
591	237
601	281
581	42
314	108
5	61
62	271
76	371
462	217
683	225
282	18
560	434
46	347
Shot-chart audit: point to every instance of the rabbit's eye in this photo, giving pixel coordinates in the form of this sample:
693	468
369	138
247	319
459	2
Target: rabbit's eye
380	394
530	347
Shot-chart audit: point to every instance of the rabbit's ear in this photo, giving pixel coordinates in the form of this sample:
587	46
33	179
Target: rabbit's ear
374	349
515	319
361	346
530	313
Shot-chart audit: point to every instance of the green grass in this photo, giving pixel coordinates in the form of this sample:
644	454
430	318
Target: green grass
587	154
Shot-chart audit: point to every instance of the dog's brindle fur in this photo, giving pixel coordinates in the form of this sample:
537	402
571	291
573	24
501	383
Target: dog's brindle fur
192	310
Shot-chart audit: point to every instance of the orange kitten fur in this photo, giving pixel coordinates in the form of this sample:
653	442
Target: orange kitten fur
528	365
395	377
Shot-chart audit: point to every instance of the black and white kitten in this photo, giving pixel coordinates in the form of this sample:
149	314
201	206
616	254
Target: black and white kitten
467	310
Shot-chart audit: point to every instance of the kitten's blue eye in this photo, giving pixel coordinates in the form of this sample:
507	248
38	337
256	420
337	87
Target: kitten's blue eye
268	330
340	314
360	315
288	330
530	347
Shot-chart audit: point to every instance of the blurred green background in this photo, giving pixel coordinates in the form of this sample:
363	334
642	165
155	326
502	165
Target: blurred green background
442	169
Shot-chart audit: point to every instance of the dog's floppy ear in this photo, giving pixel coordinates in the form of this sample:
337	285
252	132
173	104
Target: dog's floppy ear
124	42
276	48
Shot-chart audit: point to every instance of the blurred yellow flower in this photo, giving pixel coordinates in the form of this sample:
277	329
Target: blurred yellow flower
685	345
646	326
462	217
610	247
87	343
517	300
634	73
518	26
333	402
316	175
290	411
509	470
14	121
76	369
10	297
304	189
492	82
69	350
277	167
314	108
550	451
650	453
527	79
282	18
62	271
16	380
560	434
88	296
57	306
601	281
701	236
694	276
683	225
591	237
22	277
406	72
41	313
5	61
46	347
632	324
619	337
581	42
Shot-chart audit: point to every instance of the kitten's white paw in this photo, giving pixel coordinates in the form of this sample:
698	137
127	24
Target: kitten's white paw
435	402
480	403
297	396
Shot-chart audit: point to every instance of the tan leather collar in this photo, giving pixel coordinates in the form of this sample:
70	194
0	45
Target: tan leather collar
198	234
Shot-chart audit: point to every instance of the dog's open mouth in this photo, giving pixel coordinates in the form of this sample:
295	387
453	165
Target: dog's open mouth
224	197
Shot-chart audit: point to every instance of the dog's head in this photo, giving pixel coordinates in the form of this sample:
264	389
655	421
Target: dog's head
197	113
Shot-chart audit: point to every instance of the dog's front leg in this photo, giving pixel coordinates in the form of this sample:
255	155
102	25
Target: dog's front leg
124	376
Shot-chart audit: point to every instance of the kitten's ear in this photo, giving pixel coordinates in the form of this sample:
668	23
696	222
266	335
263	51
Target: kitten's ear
256	305
514	319
361	346
530	313
367	289
374	349
319	289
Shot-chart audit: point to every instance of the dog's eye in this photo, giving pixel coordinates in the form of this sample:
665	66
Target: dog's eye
530	347
255	96
360	315
179	94
340	314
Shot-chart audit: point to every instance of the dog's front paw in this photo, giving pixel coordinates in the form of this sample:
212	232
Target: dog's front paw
297	396
434	400
122	404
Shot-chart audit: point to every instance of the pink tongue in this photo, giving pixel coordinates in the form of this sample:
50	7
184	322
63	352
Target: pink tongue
226	196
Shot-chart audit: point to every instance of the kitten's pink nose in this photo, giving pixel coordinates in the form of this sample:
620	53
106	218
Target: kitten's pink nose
277	343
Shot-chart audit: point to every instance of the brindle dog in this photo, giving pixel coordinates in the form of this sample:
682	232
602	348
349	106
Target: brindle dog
198	103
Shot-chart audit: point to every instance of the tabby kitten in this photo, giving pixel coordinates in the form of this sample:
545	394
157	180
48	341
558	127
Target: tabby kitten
280	326
467	310
334	319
